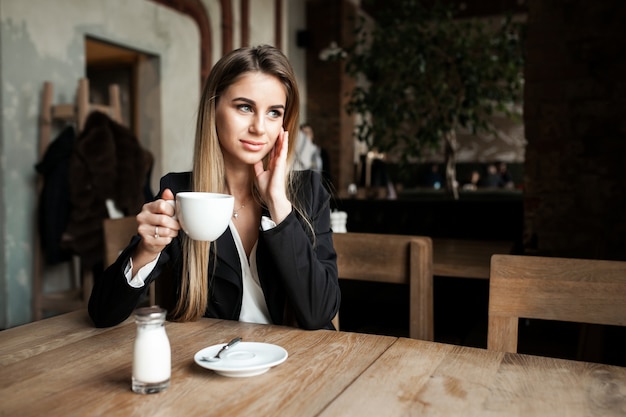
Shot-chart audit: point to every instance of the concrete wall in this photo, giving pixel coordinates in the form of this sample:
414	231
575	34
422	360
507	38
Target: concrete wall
43	40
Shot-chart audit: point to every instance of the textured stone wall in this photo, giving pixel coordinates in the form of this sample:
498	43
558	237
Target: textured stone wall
575	102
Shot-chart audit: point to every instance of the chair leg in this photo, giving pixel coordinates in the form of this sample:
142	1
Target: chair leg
502	333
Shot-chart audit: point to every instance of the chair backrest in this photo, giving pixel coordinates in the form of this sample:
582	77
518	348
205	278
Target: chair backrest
560	289
117	235
392	259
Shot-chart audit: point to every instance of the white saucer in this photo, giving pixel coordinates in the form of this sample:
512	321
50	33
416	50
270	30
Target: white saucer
243	359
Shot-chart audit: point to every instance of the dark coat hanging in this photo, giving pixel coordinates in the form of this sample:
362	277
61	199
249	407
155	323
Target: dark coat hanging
107	163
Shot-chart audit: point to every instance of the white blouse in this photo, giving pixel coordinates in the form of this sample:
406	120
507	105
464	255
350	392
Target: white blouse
253	306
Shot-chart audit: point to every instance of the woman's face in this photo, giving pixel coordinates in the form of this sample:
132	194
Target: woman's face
249	117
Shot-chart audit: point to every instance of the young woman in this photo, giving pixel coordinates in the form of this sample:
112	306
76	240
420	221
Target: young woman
276	262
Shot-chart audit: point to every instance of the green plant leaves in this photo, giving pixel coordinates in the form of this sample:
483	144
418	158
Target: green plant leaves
421	73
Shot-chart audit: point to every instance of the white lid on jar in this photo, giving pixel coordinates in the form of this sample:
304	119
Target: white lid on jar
147	314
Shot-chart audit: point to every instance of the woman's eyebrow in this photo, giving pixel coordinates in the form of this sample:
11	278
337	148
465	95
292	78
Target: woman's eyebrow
247	100
253	103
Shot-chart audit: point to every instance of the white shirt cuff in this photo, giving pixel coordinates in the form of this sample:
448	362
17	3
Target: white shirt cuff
139	280
267	223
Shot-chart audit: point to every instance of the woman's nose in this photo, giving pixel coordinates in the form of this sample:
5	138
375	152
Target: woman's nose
258	125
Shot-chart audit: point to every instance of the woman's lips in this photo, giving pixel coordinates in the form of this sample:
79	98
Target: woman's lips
253	146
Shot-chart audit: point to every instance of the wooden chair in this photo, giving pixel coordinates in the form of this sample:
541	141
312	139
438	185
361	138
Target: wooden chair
117	235
392	259
561	289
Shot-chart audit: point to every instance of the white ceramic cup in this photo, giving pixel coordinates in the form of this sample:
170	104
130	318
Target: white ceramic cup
204	216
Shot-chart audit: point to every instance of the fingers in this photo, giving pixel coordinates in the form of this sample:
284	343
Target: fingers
156	224
285	144
279	152
164	207
284	148
167	194
156	237
280	144
280	161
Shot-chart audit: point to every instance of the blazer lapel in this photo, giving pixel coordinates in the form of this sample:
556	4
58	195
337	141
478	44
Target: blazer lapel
228	257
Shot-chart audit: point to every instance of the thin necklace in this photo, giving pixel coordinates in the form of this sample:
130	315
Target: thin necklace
236	212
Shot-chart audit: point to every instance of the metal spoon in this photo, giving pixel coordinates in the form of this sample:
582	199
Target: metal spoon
222	350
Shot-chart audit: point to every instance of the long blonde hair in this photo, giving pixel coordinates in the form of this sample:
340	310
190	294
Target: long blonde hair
208	161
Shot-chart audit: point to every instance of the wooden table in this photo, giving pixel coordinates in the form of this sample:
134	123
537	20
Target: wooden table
466	258
64	367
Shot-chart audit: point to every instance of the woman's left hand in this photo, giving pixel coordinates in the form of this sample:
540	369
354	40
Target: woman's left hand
272	182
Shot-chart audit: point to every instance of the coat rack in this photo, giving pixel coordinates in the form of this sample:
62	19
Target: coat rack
76	113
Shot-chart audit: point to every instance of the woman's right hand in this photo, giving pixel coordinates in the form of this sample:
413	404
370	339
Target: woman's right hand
157	227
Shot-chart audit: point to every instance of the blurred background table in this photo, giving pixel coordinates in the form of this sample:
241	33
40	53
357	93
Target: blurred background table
463	258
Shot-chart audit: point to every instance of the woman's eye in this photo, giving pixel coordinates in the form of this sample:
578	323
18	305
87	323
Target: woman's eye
275	113
244	108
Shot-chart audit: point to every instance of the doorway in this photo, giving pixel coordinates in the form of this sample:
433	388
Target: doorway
138	77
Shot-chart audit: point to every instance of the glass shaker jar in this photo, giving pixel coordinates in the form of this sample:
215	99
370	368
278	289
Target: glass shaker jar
152	362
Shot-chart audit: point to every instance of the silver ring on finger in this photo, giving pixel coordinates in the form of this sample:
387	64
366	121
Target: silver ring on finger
156	232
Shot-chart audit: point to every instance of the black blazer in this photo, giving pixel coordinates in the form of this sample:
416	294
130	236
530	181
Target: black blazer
296	274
